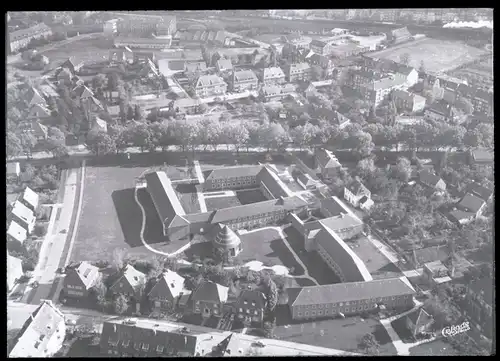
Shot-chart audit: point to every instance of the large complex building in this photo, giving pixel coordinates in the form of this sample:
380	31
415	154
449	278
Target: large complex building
140	25
20	38
210	85
244	80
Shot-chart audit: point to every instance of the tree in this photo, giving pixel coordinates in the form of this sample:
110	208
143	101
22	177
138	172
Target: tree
464	105
316	72
363	145
369	344
118	259
211	132
405	58
366	167
140	136
14	147
99	82
304	135
269	329
121	304
160	136
139	113
403	169
441	311
99	142
422	69
272	295
98	293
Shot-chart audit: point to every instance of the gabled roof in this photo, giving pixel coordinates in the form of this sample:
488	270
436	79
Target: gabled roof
38	331
169	286
318	43
461	216
471	203
224	64
211	292
39	110
164	197
483	155
196	66
428	178
14	270
230	172
100	124
131	276
384	83
34	97
22	212
407	96
86	273
342	221
305	179
358	189
430	254
83	92
244	75
251	296
327	159
273	183
17	232
480	191
299	67
30	197
166	66
441	108
273	72
351	291
13	168
40	129
420	318
209	80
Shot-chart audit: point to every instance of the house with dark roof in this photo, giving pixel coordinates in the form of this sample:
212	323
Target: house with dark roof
272	76
39	111
320	47
298	71
42	335
436	273
39	130
326	163
168	291
478	305
322	61
224	65
23	216
431	180
14	271
419	257
276	92
209	298
79	280
471	203
250	306
130	283
242	80
354	192
439	111
349	299
408	101
481	157
419	321
485	193
481	100
196	66
210	85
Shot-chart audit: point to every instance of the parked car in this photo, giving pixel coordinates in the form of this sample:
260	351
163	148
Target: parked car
258	344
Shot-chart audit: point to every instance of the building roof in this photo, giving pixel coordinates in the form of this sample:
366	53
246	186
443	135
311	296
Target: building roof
461	216
435	266
332	206
480	191
224	64
87	273
39	110
428	178
483	155
341	221
273	183
273	72
13	168
299	67
24	33
305	179
251	296
14	270
420	317
209	80
441	108
471	203
17	232
186	102
384	83
40	129
350	291
83	92
430	254
100	124
231	172
253	209
34	97
407	96
275	89
358	189
169	285
327	159
167	66
211	292
23	212
163	195
38	331
30	197
133	277
244	75
483	287
226	238
196	66
318	43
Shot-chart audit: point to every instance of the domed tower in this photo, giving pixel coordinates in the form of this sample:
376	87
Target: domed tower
226	241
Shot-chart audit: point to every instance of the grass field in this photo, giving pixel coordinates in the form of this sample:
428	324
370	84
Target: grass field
434	348
437	55
186	193
342	334
215	203
312	260
250	196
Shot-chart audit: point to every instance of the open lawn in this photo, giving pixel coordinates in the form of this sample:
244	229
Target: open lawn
110	218
434	348
342	334
88	50
403	332
378	265
250	196
186	193
312	260
214	203
267	247
437	55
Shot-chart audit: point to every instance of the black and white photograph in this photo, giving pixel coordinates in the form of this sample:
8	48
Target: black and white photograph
236	183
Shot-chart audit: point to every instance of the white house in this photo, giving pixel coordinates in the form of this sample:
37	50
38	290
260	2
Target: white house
13	169
355	193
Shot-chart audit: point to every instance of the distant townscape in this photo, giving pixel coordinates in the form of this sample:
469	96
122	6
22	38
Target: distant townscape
250	183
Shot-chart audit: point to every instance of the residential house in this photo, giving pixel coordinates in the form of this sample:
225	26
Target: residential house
130	283
39	111
272	76
419	321
186	105
39	131
99	124
224	65
13	169
327	163
485	192
479	305
407	101
436	273
30	199
210	85
275	92
169	67
429	179
209	298
399	35
311	91
341	120
320	47
374	92
354	192
349	299
79	280
244	80
481	100
481	157
461	217
168	291
250	306
14	271
439	111
196	66
322	61
42	335
16	233
298	71
21	38
365	203
473	204
23	216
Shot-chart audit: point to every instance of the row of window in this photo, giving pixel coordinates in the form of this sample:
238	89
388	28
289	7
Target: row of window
74	287
334	312
240	310
230	179
223	185
350	303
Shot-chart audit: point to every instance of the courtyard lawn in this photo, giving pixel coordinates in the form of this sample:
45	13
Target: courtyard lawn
267	247
312	260
402	330
342	334
188	197
434	348
214	203
250	196
378	265
110	218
